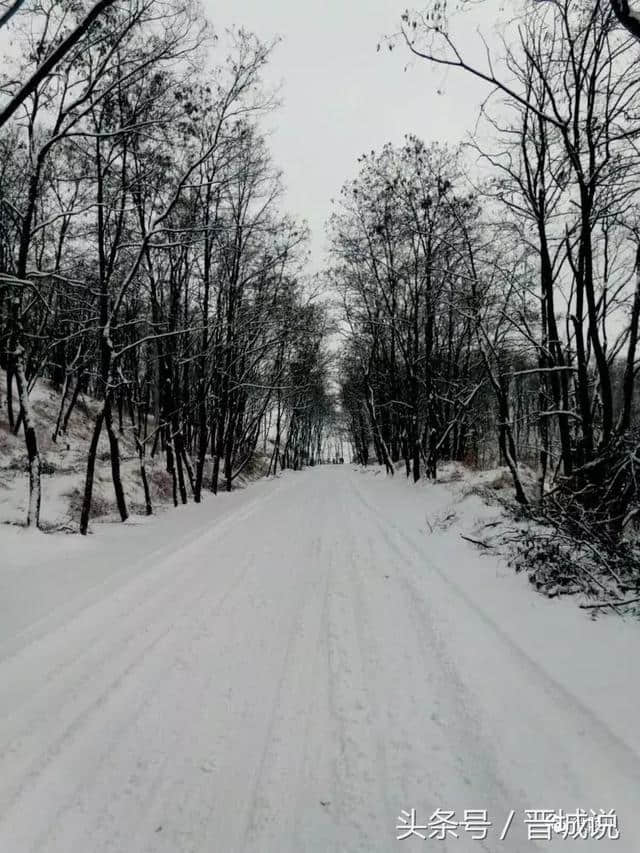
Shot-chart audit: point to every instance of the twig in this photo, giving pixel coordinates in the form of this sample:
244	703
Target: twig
613	604
476	541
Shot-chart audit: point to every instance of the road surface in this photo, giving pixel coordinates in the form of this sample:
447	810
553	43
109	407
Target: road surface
290	677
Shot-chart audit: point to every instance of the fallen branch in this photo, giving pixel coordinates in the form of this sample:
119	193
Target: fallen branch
477	542
613	604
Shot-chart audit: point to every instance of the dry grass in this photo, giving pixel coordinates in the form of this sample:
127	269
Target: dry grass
162	484
100	505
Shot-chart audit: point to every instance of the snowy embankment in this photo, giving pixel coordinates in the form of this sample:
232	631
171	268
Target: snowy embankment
289	667
64	462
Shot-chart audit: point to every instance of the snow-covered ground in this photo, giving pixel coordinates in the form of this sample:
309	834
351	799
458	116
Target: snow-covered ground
289	667
64	465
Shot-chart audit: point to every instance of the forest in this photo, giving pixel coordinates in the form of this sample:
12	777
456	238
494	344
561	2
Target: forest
491	293
485	298
145	259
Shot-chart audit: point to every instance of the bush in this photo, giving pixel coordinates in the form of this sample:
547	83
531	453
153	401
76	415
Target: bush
561	558
100	506
162	483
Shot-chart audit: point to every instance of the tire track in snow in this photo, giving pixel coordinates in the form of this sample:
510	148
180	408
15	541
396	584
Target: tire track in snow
96	689
351	766
213	816
604	774
85	737
276	788
28	673
138	571
453	766
158	731
84	663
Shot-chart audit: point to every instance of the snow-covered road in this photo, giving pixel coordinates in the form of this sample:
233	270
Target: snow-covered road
291	676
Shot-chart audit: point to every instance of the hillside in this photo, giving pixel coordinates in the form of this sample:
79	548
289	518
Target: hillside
64	466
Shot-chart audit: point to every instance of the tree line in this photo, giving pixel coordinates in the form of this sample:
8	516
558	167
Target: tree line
494	311
145	259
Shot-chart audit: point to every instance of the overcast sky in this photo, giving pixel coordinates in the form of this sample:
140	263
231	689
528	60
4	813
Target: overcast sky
341	97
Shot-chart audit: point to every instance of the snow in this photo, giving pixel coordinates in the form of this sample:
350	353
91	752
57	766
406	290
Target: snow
64	465
288	667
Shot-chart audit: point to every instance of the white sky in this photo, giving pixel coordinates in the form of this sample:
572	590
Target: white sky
342	98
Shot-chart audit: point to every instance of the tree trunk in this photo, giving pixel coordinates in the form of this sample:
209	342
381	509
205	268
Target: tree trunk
91	467
31	440
114	453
